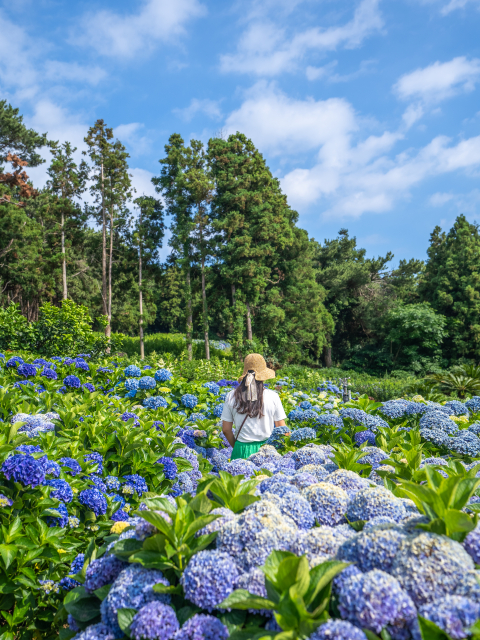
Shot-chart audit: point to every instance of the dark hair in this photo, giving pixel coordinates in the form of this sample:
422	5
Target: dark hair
244	406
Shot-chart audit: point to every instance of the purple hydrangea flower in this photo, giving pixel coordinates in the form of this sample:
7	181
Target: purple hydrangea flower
97	631
24	469
133	589
61	490
80	364
29	448
103	571
14	362
128	415
453	614
209	578
120	516
376	501
93	500
169	467
27	370
96	458
365	436
202	627
50	374
338	630
72	466
154	621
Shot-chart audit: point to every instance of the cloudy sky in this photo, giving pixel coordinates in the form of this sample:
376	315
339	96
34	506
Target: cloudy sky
368	111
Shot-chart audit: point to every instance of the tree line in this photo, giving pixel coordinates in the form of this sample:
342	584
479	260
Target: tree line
240	268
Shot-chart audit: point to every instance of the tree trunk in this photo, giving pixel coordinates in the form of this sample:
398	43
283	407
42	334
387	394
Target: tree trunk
64	262
108	331
104	252
204	301
233	295
142	350
327	356
189	315
249	322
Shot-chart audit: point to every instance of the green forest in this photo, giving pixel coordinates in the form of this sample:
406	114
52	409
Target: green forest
240	269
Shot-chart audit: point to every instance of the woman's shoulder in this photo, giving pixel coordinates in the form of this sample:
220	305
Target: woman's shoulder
271	394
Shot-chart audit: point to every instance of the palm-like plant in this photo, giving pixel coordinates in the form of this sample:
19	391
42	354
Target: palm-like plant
458	381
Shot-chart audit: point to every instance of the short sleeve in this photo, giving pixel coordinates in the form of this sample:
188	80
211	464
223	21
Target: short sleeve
227	414
279	410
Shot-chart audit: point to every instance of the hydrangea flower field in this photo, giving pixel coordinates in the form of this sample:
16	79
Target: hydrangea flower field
123	517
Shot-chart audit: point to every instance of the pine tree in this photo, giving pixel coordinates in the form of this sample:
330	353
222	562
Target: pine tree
451	283
67	182
253	216
147	235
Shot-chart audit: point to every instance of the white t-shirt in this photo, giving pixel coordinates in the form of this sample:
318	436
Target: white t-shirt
255	429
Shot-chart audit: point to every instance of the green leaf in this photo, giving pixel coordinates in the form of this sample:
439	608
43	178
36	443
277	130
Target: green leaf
239	503
430	631
321	576
103	592
8	553
161	588
242	599
123	549
459	521
125	617
82	606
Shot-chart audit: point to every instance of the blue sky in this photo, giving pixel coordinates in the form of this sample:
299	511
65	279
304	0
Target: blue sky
368	111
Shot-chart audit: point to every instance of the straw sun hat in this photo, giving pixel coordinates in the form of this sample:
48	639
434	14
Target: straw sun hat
256	362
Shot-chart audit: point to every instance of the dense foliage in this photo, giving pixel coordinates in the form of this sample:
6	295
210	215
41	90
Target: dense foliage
123	516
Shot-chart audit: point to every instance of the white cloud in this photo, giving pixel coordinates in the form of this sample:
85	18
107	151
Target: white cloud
264	48
461	202
351	173
127	35
210	108
142	182
73	72
452	5
439	80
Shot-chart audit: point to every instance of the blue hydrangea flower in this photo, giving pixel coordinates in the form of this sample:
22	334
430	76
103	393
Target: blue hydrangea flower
14	362
102	571
394	409
93	500
71	466
163	375
132	371
147	382
298	509
27	370
133	589
337	630
456	408
319	544
120	516
59	522
202	627
50	374
365	436
137	483
296	415
213	387
24	469
305	456
375	501
88	386
154	621
131	384
72	382
97	631
305	433
189	400
81	364
128	415
218	410
375	600
465	443
209	578
430	567
196	417
186	436
155	402
453	614
29	448
96	458
98	482
112	483
305	404
328	502
61	490
372	548
473	404
349	481
169	467
437	419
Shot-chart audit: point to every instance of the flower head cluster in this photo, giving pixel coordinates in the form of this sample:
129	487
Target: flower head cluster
394	409
14	362
305	433
154	621
213	387
96	458
189	400
24	469
465	443
169	467
147	382
72	381
437	419
131	384
27	370
453	614
456	408
128	415
81	364
132	371
163	375
137	483
349	481
375	501
102	571
88	386
61	490
155	402
473	404
133	589
62	521
365	436
71	466
338	630
93	500
209	578
307	455
202	627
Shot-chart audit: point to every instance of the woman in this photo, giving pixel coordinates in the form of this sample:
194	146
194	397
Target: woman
253	409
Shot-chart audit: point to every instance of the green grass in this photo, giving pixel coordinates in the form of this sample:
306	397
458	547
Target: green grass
173	343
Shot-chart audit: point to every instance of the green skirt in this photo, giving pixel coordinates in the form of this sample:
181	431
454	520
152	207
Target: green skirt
245	449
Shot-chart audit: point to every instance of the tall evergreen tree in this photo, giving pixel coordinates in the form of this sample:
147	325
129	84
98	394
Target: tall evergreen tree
148	234
253	216
67	182
451	283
